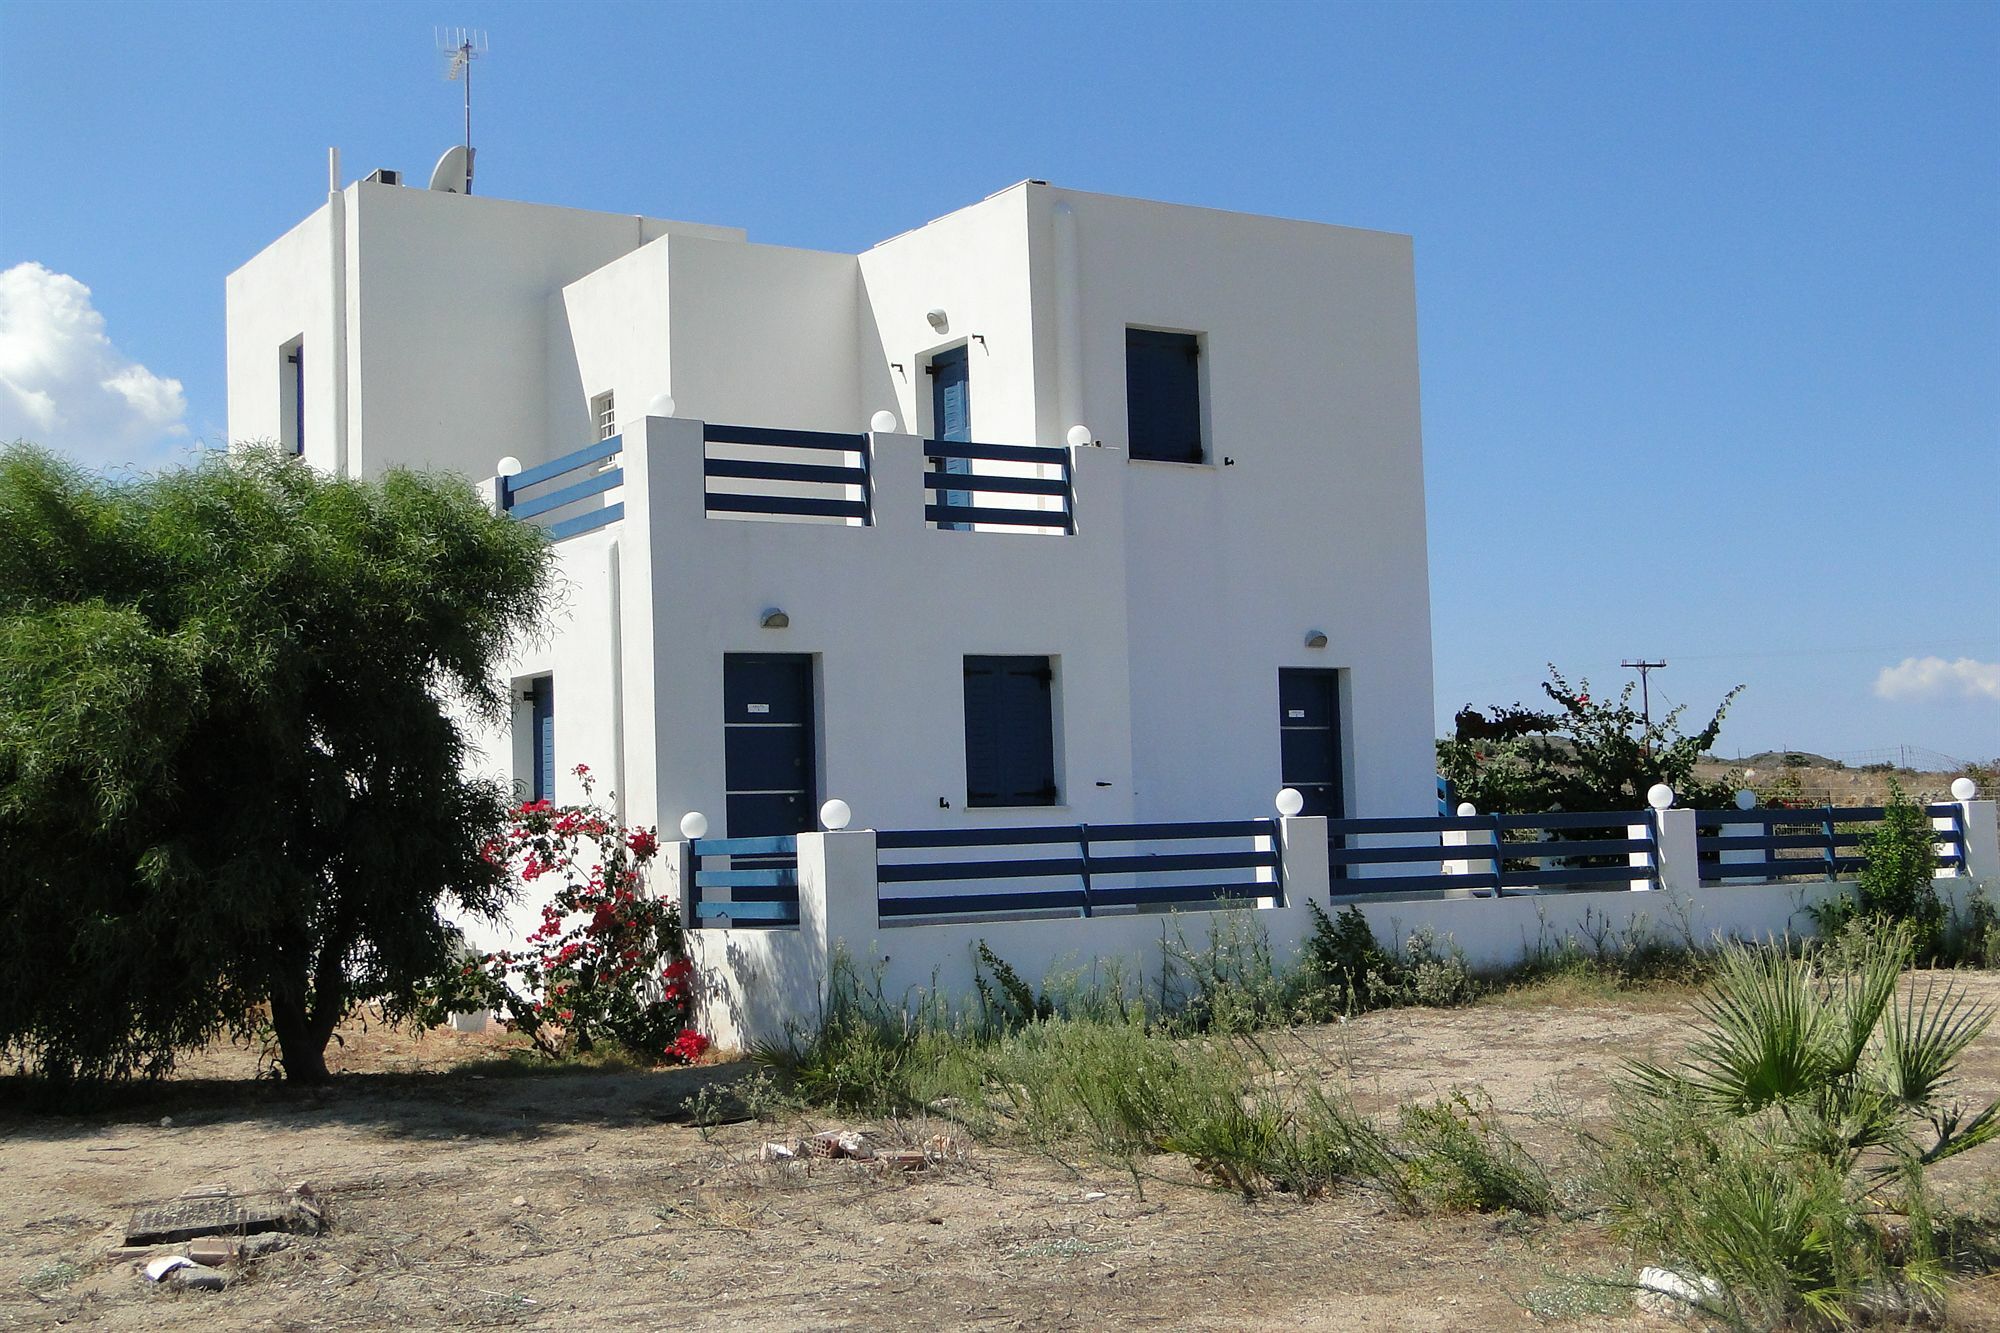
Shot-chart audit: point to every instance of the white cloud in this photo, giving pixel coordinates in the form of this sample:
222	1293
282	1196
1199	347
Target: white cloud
1935	678
64	385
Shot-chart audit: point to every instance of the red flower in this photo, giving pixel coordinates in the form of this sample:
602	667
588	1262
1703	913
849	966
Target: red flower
689	1046
643	842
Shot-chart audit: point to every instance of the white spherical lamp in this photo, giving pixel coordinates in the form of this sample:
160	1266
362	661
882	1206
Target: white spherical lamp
509	466
1659	796
661	406
1290	802
835	815
1079	436
1467	809
1746	799
883	422
694	824
1964	789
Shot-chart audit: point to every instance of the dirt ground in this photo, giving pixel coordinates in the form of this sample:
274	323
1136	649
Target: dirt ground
462	1194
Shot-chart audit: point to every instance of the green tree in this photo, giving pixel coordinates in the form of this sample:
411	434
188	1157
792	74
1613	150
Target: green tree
1590	754
230	779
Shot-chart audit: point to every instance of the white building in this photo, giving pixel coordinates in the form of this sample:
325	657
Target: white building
1228	593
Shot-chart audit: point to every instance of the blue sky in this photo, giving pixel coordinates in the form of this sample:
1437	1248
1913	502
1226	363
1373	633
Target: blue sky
1709	294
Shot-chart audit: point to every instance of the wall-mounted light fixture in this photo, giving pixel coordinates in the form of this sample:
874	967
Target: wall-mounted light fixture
773	618
1315	638
1079	436
938	320
883	422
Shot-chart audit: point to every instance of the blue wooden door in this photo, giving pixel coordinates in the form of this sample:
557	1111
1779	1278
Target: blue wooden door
1310	747
951	417
769	752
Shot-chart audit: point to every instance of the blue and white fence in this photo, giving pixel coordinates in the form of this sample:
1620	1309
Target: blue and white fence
1118	902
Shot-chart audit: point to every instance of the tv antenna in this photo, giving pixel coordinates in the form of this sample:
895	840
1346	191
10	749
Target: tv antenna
1645	668
460	47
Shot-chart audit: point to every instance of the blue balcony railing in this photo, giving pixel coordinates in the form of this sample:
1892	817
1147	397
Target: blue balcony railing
517	502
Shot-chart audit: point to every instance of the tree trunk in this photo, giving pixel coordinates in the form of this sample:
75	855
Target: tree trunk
301	1042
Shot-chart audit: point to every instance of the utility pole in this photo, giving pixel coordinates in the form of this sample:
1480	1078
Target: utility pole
1645	696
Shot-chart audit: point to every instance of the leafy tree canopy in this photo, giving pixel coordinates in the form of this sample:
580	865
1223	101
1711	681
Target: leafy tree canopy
229	779
1588	754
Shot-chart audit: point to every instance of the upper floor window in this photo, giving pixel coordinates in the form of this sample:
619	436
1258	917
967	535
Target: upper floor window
604	415
1163	395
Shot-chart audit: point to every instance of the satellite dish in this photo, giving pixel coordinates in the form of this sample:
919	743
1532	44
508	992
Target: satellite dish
453	173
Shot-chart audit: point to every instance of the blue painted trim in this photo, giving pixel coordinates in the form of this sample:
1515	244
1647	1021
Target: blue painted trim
1378	856
959	904
582	523
556	467
1481	879
583	490
715	433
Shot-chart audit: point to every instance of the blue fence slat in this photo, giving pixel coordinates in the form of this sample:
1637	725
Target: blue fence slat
943	870
975	481
1569	819
582	523
1578	847
787	844
1527	879
1124	865
1348	888
568	495
957	904
1010	518
717	433
1411	824
997	453
906	839
1228	828
754	469
722	502
786	913
729	879
556	467
1181	893
1378	856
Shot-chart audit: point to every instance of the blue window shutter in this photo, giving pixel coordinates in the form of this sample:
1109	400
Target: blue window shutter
1163	395
1009	731
542	786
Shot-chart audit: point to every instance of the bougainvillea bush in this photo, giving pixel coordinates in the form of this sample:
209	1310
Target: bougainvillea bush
608	963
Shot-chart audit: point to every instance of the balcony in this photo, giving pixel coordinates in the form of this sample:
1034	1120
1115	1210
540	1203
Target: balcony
762	475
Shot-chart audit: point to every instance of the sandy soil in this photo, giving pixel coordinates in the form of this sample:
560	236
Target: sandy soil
466	1196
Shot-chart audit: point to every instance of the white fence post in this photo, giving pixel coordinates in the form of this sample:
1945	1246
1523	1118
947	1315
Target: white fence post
1678	856
677	879
1980	823
838	897
1302	848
